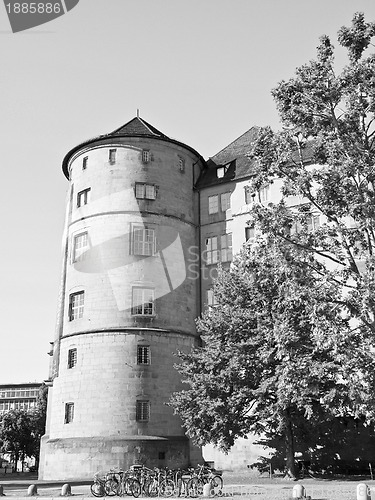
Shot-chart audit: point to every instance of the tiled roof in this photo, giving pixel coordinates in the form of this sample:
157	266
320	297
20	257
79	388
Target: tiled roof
239	166
135	127
234	156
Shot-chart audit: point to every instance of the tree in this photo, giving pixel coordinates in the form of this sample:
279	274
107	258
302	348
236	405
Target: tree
15	434
21	430
277	353
38	421
326	156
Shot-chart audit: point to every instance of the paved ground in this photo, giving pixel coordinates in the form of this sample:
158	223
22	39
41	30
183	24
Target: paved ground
239	485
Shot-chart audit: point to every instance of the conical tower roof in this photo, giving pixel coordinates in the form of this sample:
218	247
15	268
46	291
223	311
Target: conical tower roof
137	127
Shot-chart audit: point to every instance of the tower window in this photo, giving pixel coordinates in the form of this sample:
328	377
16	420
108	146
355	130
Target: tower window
213	204
143	302
85	162
69	413
143	411
72	358
145	191
145	156
181	164
112	156
76	302
83	197
144	241
225	201
143	355
80	245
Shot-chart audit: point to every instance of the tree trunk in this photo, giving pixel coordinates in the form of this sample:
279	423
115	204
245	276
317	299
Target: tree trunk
289	446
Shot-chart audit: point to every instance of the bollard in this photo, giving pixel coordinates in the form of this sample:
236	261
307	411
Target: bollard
66	490
32	490
363	492
298	491
206	490
2	491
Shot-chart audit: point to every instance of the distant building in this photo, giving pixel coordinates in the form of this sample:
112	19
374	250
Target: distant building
18	396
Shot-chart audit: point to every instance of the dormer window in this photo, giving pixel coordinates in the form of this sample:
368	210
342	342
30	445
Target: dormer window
221	171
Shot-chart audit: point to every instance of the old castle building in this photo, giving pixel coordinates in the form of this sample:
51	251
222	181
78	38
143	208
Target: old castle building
147	221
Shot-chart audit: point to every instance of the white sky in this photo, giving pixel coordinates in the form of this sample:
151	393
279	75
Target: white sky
200	71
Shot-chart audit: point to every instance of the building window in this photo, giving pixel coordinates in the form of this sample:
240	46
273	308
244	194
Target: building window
181	164
225	201
212	253
145	191
263	194
211	299
112	156
145	156
80	245
226	247
85	162
83	197
69	412
143	411
76	301
213	204
144	241
72	358
313	223
143	355
143	302
249	195
250	233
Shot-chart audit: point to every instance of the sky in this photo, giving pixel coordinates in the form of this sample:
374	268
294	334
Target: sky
201	71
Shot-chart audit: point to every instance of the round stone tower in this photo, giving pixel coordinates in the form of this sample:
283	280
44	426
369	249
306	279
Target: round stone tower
128	303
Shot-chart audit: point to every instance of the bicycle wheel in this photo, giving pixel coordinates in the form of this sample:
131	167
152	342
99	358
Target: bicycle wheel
135	488
112	487
126	486
152	488
195	487
216	485
97	489
167	488
181	487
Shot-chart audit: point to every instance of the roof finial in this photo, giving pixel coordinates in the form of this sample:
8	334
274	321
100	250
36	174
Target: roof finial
137	113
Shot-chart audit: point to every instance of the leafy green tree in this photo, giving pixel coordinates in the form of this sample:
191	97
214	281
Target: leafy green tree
325	156
277	353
